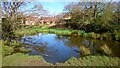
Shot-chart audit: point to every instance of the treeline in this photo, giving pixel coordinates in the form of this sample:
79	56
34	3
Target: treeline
97	17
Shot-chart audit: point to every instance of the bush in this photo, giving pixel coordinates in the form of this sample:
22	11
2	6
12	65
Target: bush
117	35
16	43
7	50
75	32
91	61
106	36
24	50
92	35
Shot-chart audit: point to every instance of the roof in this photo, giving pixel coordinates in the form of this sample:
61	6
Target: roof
67	16
49	19
45	19
32	18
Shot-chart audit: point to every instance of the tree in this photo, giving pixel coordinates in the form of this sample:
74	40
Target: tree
37	11
11	20
83	13
93	16
0	21
74	9
14	17
117	15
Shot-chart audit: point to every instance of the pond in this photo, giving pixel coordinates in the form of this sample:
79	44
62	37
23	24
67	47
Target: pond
55	48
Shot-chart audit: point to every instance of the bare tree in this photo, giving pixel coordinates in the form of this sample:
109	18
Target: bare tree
11	19
37	11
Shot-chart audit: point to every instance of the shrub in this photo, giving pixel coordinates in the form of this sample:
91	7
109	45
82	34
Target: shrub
24	50
75	32
117	35
92	35
7	50
106	36
16	43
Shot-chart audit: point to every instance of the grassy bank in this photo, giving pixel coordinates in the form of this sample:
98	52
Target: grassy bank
106	36
15	47
91	61
0	53
19	59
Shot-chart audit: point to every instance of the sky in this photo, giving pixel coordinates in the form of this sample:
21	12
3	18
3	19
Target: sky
59	0
54	7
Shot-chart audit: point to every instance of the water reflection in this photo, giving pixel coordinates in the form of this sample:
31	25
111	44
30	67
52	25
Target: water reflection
106	49
85	50
94	47
55	48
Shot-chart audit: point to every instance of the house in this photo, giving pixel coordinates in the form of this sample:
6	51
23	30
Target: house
40	21
48	20
67	17
31	20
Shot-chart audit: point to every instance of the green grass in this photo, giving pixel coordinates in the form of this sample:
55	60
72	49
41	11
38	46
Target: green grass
20	59
0	53
7	50
16	47
35	30
91	61
32	31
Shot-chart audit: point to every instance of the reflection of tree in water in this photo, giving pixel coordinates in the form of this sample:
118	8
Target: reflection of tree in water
61	38
40	49
106	49
94	47
112	48
45	50
58	37
85	50
51	51
87	46
115	48
74	41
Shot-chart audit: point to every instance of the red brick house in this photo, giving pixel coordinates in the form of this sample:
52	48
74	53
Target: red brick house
31	20
40	21
67	16
48	20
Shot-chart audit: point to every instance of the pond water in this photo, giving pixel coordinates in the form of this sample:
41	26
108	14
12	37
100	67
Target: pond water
54	48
